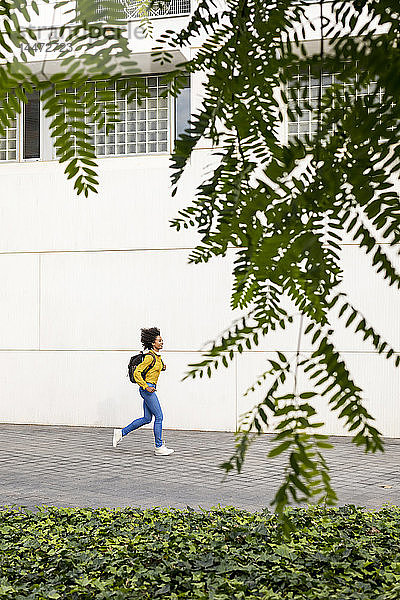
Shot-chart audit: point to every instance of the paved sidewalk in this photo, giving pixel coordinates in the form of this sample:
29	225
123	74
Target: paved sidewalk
77	466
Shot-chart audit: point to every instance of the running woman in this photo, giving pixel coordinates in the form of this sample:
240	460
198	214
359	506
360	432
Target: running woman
151	341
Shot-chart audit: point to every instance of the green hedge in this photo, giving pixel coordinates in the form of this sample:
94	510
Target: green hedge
221	554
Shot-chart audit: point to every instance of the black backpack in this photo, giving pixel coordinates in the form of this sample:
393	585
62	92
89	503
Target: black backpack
135	361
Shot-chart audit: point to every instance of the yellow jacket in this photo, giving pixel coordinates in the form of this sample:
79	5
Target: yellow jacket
153	373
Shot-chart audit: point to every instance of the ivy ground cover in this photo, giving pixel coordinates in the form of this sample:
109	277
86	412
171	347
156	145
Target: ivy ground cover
221	554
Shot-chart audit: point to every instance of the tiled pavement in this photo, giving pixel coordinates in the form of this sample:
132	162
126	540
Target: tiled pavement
77	466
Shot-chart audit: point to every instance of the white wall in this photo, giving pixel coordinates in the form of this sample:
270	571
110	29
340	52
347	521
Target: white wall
81	276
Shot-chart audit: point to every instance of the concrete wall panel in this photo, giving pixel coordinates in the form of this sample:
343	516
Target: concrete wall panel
100	300
132	209
377	376
371	294
91	388
19	301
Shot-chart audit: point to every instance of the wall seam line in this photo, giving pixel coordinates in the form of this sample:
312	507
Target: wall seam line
137	349
236	393
93	251
39	300
103	250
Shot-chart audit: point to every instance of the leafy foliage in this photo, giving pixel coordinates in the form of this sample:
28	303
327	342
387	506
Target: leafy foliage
219	554
285	206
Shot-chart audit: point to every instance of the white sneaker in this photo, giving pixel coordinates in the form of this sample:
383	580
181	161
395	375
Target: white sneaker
162	450
117	437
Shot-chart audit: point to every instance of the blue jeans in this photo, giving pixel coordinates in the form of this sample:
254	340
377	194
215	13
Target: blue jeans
151	406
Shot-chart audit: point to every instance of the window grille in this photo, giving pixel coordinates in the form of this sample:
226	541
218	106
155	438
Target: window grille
103	9
8	140
142	129
134	8
307	92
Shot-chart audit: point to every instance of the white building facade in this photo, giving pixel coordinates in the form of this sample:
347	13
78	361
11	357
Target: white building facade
80	276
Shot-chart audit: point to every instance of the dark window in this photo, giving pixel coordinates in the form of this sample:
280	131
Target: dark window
32	126
182	109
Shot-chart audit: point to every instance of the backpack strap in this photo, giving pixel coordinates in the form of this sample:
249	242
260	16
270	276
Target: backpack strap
153	362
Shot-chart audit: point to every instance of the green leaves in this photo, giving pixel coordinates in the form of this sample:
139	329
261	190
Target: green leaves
222	553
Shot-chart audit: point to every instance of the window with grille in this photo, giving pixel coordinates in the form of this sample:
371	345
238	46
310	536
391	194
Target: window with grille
306	92
105	9
134	8
305	86
29	123
8	140
143	128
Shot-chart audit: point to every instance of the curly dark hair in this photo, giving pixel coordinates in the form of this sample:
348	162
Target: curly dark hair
148	337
